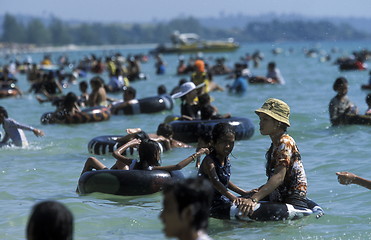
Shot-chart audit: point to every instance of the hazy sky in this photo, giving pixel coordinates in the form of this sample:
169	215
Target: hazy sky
147	10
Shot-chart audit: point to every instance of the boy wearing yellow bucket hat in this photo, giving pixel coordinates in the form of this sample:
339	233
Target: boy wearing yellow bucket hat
287	182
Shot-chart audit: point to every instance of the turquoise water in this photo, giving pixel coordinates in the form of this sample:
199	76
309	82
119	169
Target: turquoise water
50	167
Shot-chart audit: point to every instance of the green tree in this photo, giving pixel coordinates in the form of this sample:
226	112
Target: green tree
13	31
87	34
59	32
37	33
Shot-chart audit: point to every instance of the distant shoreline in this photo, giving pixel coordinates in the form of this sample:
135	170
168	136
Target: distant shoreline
14	49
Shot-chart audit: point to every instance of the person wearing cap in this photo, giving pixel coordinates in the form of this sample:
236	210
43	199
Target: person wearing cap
287	182
189	108
200	76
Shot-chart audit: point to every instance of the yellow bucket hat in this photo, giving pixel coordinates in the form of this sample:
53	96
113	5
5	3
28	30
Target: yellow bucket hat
276	109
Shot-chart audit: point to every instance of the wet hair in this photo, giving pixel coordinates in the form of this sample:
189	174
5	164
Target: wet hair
340	81
141	135
69	101
238	73
220	130
182	81
368	99
204	99
83	84
195	192
148	151
3	111
271	64
206	137
161	89
207	112
165	130
50	220
98	81
131	91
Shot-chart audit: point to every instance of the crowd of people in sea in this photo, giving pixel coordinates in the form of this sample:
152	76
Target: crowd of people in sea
187	203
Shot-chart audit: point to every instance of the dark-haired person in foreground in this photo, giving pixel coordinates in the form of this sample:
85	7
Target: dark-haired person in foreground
50	220
186	209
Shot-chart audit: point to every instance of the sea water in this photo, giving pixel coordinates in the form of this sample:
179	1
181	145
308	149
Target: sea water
50	167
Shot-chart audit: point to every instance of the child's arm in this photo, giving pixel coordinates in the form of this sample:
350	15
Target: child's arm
36	131
118	153
214	179
237	189
247	205
183	163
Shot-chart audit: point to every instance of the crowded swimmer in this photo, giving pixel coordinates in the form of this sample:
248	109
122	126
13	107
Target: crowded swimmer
13	130
273	76
342	110
163	135
149	158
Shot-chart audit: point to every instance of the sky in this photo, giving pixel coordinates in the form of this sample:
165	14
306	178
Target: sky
150	10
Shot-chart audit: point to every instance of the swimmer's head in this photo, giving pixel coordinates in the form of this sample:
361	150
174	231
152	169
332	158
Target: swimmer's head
3	112
165	130
149	153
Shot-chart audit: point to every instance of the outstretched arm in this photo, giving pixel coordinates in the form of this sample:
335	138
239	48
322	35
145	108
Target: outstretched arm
214	179
183	163
237	189
38	132
349	178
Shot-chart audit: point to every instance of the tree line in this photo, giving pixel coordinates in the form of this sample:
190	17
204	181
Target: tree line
58	32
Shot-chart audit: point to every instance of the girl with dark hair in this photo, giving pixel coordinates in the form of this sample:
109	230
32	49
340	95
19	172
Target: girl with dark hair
216	168
149	158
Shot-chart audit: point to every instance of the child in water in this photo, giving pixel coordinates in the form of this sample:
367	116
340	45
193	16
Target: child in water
149	158
340	106
216	167
14	131
209	111
287	182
